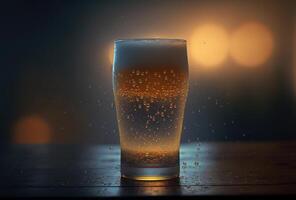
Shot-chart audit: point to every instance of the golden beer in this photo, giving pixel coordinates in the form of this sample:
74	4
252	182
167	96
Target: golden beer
150	89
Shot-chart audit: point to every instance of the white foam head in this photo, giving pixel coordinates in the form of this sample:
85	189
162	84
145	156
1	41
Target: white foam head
138	53
151	42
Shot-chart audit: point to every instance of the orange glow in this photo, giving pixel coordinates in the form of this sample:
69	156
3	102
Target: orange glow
32	130
111	54
151	178
251	44
209	45
294	58
158	84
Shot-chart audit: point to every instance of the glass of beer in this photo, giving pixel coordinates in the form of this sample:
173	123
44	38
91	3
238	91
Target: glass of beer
150	85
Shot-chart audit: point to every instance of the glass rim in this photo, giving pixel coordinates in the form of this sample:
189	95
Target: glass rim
151	40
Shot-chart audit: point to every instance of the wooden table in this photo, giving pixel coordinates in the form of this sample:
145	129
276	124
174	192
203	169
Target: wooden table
229	168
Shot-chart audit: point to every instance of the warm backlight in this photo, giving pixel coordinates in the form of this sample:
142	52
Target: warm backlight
251	44
32	130
209	45
111	54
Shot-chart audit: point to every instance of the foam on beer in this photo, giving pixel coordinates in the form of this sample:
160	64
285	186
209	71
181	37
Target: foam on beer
151	42
143	53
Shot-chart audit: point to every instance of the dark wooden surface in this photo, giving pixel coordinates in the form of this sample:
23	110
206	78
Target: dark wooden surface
206	169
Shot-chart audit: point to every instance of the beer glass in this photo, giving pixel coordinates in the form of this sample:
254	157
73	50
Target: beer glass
150	85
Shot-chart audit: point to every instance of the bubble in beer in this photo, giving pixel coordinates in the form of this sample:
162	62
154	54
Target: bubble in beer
152	102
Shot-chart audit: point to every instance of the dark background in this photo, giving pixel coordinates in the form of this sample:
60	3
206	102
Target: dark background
55	77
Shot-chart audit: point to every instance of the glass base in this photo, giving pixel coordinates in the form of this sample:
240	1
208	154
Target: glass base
149	174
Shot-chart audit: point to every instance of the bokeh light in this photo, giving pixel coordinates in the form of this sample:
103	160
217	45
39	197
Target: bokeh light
251	44
209	45
32	130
